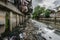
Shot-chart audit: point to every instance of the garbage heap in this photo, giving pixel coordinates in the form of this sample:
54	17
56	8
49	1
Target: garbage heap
28	32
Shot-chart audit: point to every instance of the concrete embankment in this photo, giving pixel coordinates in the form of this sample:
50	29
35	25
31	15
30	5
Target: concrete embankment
51	21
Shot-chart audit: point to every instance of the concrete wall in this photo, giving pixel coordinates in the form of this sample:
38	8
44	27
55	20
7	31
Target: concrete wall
53	14
2	21
14	20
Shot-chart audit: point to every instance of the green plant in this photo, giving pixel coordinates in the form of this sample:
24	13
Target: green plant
37	11
7	25
47	13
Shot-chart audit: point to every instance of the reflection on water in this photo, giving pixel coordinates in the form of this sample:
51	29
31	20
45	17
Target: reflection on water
53	24
46	32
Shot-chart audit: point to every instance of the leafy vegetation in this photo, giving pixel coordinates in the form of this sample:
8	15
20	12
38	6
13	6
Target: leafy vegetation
40	10
7	26
47	13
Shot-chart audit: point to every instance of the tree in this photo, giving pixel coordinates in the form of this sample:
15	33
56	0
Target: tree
37	11
47	13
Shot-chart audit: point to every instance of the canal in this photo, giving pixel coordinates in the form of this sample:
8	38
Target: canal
46	31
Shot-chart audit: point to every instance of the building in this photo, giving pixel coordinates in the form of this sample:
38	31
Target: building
10	16
13	13
55	14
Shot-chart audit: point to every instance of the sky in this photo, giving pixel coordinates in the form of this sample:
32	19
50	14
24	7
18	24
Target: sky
50	4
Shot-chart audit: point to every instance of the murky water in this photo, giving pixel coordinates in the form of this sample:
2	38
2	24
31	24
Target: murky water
52	23
46	32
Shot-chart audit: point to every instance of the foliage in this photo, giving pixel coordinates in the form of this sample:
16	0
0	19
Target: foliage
7	25
39	10
47	13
